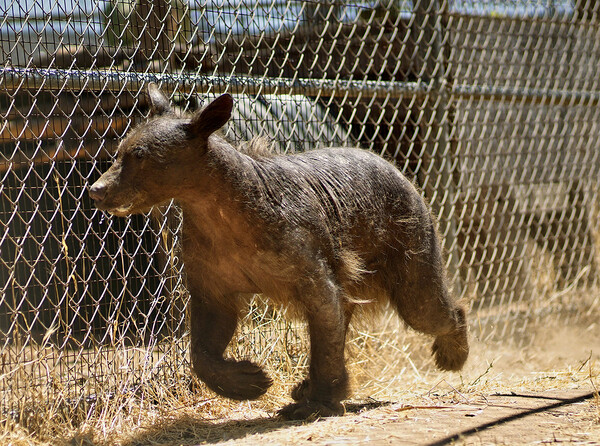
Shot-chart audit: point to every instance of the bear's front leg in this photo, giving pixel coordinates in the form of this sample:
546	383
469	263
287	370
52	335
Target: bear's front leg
212	325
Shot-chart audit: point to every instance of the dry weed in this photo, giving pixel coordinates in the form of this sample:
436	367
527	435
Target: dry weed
387	361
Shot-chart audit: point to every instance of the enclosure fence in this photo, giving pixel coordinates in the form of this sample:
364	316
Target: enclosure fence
491	107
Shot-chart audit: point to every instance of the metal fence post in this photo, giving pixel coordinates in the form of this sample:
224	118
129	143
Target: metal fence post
155	26
438	160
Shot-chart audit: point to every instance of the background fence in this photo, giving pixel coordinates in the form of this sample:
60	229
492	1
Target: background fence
491	106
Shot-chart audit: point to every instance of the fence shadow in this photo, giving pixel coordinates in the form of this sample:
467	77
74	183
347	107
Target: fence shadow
507	419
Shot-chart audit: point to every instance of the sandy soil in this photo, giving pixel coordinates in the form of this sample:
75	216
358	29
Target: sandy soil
506	394
528	418
502	398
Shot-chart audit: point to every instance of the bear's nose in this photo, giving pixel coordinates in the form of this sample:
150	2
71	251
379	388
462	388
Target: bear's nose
98	191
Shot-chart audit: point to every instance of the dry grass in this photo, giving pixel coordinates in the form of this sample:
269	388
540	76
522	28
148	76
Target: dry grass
388	363
140	406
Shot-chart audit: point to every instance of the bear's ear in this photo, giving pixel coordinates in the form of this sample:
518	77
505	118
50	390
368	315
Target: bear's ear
212	117
159	102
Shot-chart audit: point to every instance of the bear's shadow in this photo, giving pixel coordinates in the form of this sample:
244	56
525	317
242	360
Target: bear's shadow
188	431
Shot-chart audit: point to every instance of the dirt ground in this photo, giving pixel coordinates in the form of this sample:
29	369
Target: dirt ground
543	393
488	419
527	418
501	398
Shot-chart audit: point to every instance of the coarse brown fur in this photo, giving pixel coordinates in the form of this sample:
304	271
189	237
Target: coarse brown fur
323	231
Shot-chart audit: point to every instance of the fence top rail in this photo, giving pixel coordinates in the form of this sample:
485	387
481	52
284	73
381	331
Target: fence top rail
521	94
17	79
14	78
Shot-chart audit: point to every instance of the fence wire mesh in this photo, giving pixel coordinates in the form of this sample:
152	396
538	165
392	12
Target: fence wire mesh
491	107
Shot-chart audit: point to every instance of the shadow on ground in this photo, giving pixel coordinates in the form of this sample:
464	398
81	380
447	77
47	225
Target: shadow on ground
189	431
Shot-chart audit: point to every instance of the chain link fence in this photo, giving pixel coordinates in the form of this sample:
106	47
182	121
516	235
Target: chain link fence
490	106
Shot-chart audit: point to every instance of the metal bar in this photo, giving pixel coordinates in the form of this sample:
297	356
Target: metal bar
438	164
569	19
14	79
532	95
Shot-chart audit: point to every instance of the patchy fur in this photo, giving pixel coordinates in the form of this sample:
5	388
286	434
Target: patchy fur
257	148
322	231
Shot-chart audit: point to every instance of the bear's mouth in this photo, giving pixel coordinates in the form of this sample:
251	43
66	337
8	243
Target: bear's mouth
129	209
121	211
132	204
